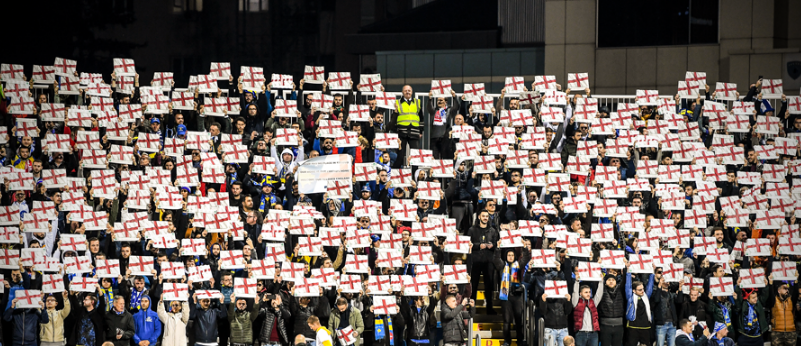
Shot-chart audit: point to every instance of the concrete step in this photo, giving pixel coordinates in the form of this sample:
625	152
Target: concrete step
493	342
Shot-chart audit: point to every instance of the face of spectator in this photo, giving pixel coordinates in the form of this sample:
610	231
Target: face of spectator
51	302
379	118
383	177
37	167
88	303
327	144
119	305
125	252
442	103
484	217
24	152
176	306
205	303
236	190
214	130
407	92
179	119
337	100
241	304
487	131
252	110
458	119
371	103
226	280
42	98
752	156
94	246
452	303
125	100
514	104
20	196
139	285
308	99
240	126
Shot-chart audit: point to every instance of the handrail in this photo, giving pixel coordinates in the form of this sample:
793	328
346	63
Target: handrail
541	325
478	340
470	333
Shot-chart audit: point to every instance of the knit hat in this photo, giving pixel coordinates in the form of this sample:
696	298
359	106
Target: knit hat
766	107
719	326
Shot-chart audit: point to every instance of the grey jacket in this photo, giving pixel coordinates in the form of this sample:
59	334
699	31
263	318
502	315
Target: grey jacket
453	326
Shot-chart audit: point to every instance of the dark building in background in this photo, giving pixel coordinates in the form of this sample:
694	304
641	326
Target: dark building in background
185	36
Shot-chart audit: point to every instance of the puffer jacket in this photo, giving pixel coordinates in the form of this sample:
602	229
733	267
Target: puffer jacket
242	323
613	304
206	322
783	319
272	315
53	331
355	320
453	326
301	314
25	324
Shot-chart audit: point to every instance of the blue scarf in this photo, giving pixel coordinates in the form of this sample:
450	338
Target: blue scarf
725	312
509	276
751	321
136	297
380	333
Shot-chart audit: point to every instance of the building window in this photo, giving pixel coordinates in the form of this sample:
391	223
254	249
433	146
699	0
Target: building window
629	23
180	6
254	5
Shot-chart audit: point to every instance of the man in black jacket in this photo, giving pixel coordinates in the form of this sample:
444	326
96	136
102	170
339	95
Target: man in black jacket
119	324
663	302
483	237
206	318
556	311
90	322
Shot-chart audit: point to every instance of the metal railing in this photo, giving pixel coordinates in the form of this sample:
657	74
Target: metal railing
470	334
541	326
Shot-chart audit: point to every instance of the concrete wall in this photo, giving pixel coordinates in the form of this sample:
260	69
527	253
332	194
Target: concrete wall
749	31
488	66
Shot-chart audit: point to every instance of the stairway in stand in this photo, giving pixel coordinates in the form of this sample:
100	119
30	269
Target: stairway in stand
489	327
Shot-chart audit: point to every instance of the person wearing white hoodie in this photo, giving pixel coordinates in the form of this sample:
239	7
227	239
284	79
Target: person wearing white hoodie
174	323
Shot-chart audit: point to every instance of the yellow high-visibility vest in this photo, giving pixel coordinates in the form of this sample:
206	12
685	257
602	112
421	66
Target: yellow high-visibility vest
408	113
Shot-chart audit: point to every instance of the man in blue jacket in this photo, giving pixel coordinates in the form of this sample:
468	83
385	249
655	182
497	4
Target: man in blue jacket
26	323
638	311
147	324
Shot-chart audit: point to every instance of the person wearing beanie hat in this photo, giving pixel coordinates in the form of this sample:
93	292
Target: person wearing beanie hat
720	337
684	336
146	321
612	311
511	294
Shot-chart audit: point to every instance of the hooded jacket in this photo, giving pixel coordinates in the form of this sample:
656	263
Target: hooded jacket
147	325
174	326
